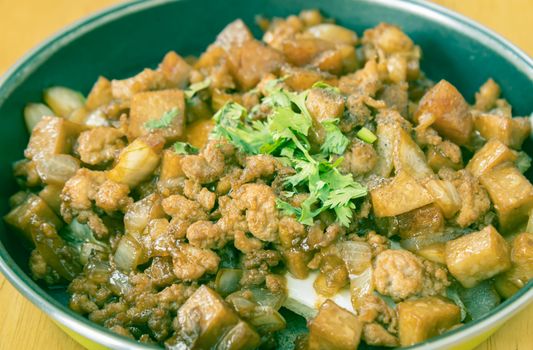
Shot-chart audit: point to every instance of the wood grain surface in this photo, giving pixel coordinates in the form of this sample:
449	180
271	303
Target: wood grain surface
25	23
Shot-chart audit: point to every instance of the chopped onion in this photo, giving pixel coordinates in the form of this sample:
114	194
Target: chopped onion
265	297
529	227
267	320
128	254
333	33
419	242
56	168
62	100
34	112
355	254
227	281
119	283
361	285
446	196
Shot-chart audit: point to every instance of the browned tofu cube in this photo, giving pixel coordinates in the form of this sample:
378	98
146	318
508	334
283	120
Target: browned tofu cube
510	131
421	221
521	270
206	317
198	132
175	70
52	135
424	318
492	154
323	104
399	196
171	165
511	193
32	208
100	94
300	79
453	119
477	256
240	337
334	328
150	107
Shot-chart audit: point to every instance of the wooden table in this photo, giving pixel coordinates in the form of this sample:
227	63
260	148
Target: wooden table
24	23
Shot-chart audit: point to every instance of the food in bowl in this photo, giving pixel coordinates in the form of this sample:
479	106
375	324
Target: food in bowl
188	205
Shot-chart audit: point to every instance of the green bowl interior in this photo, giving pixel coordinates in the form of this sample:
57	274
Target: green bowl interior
118	46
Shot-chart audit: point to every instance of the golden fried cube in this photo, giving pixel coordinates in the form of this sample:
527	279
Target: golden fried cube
477	256
171	165
206	316
399	196
492	154
334	328
521	271
511	193
510	131
424	318
100	94
240	337
448	106
420	221
52	135
324	104
151	107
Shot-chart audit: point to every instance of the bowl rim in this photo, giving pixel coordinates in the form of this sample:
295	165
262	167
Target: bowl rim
27	64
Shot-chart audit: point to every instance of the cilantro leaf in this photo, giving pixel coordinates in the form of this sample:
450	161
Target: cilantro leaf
164	122
287	209
194	88
185	148
326	86
335	142
523	162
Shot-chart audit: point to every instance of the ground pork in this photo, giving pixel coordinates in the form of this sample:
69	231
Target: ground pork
209	165
191	263
100	145
360	158
206	234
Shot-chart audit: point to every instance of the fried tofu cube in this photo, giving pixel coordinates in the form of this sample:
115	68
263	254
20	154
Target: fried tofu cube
477	256
32	208
171	165
399	196
510	131
52	135
151	106
424	318
323	104
453	119
421	221
492	154
175	70
521	271
100	94
511	193
334	328
240	337
206	317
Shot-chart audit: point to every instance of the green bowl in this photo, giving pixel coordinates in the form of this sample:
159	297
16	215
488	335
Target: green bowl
121	40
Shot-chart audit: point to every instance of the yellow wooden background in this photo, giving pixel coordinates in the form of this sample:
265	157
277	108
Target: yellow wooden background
24	23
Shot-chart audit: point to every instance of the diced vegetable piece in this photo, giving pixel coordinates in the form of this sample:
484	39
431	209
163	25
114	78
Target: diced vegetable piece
198	132
171	165
477	256
420	221
333	276
63	100
137	161
140	213
453	119
158	110
492	154
265	297
361	285
434	252
366	135
521	270
50	194
446	196
409	158
480	299
424	318
129	253
356	255
437	160
296	262
227	281
510	131
266	320
399	196
56	168
52	135
511	193
100	94
240	337
205	318
487	95
34	112
334	328
333	33
34	208
386	139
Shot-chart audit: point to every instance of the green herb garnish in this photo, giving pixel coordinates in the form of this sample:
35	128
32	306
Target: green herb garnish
185	148
194	88
285	135
326	86
366	135
164	122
